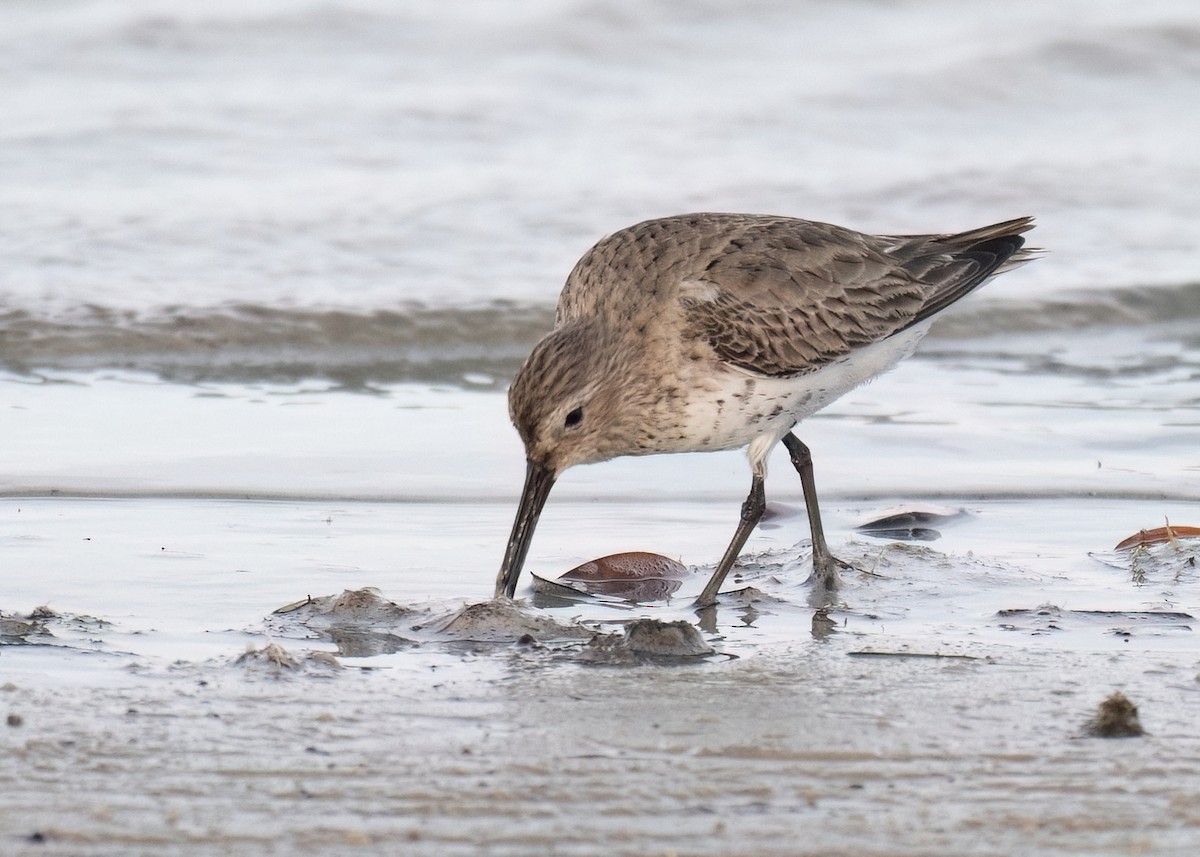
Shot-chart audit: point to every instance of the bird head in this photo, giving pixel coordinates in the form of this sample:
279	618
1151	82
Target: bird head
564	402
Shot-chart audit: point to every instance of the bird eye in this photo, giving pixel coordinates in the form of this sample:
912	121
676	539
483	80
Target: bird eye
574	418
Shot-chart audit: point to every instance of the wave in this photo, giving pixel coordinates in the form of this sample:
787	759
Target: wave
471	345
247	343
1123	306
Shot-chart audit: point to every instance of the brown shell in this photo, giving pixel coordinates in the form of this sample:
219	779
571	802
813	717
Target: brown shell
633	565
1158	536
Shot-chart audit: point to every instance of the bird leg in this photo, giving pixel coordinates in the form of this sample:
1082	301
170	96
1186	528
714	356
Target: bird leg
825	564
752	511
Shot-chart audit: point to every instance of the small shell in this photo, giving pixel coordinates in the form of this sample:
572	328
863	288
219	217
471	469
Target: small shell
633	565
634	576
1158	536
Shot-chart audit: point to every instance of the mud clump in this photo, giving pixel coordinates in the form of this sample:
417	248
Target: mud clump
358	621
502	620
362	622
677	639
272	654
648	640
274	660
1117	717
16	628
353	607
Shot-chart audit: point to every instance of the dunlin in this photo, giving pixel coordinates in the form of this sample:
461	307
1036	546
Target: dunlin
717	331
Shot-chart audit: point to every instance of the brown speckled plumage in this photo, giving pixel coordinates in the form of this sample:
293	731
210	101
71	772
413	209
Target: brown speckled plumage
713	331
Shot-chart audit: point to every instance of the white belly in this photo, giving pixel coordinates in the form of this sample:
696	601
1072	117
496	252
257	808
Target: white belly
737	409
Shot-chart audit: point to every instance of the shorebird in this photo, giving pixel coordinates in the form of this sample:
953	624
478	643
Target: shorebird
704	332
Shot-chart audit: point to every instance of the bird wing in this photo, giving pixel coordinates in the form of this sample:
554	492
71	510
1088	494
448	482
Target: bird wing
785	297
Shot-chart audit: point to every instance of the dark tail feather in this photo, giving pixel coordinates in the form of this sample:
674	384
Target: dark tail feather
1009	231
956	265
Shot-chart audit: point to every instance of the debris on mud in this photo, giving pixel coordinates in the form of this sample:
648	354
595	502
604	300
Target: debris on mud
1048	618
18	630
274	660
1160	535
34	628
910	523
1169	553
1117	717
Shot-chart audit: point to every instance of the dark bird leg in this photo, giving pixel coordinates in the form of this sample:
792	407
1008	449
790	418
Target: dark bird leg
752	510
825	564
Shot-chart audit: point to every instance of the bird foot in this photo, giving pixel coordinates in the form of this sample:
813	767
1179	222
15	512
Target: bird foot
825	578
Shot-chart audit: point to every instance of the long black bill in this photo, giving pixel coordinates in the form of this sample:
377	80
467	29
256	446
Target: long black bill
538	482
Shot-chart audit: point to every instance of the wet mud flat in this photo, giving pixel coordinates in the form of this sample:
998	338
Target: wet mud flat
156	702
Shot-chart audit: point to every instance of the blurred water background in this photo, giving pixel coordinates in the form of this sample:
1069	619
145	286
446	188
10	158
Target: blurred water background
378	192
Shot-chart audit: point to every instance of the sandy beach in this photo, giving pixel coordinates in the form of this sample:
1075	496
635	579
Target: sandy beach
942	710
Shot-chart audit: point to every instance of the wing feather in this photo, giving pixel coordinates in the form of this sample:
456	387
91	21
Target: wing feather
785	297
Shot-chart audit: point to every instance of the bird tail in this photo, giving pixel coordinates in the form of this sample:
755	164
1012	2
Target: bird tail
1006	233
953	266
